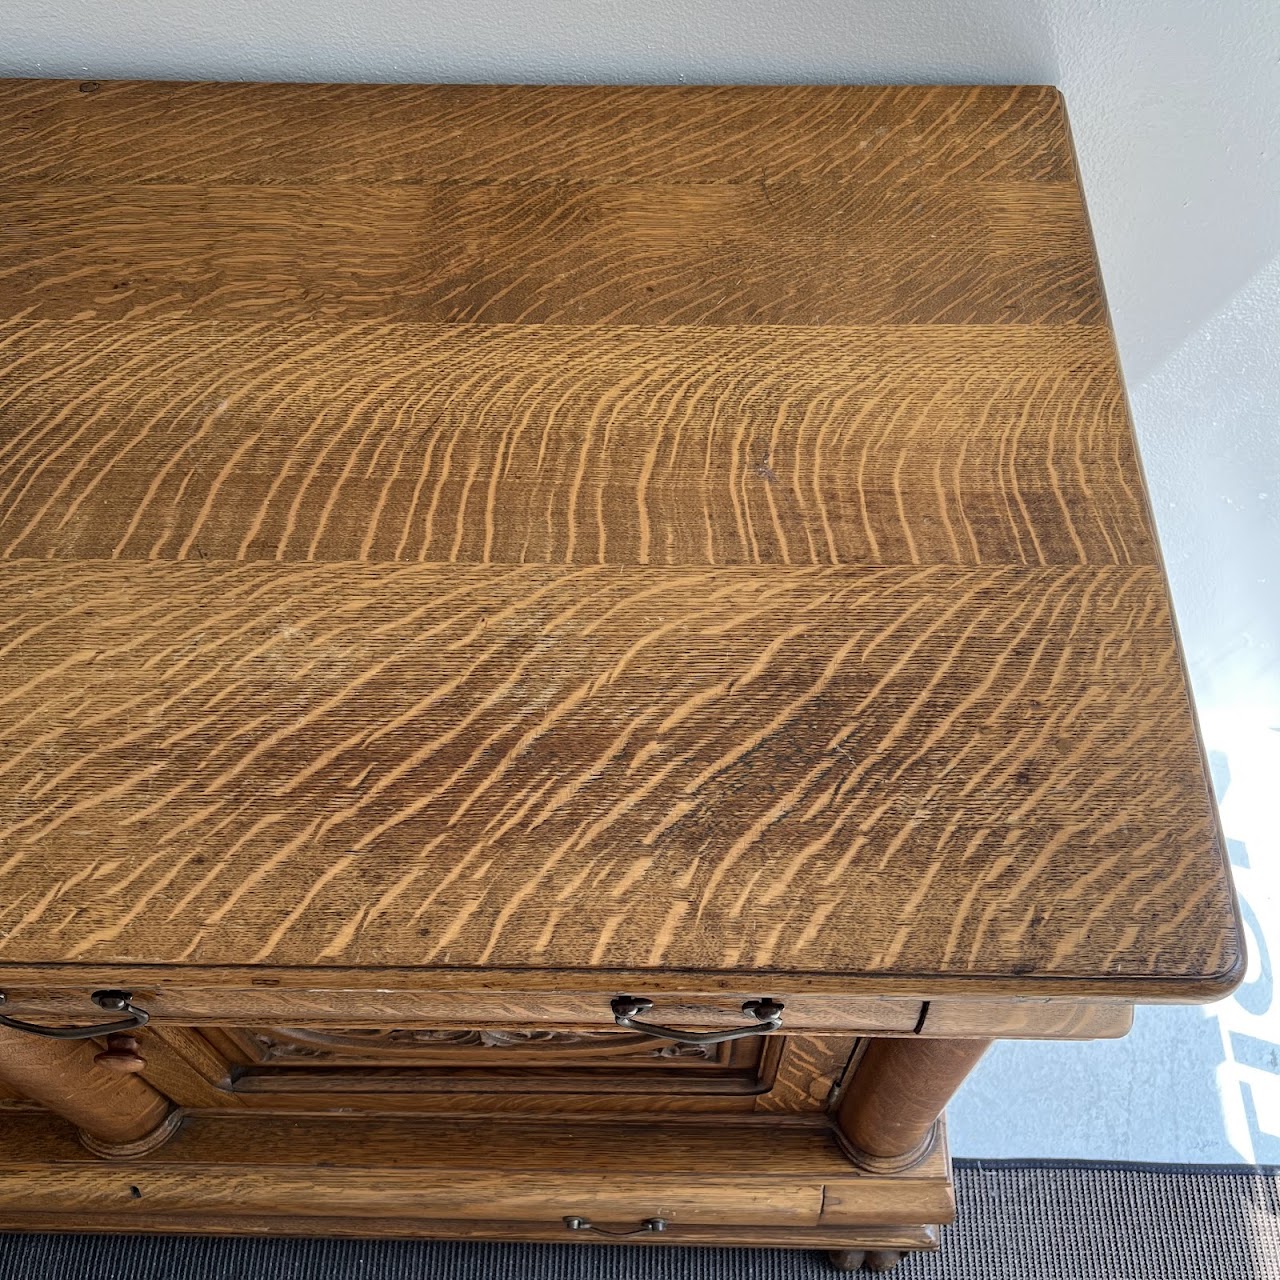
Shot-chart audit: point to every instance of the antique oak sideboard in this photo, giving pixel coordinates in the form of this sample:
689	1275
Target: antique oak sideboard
569	657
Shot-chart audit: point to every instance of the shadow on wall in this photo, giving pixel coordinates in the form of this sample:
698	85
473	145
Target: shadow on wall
1207	424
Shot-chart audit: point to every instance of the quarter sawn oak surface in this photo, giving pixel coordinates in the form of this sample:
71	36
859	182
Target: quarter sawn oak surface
581	530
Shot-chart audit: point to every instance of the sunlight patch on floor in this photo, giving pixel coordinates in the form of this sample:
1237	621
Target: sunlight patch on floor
1245	756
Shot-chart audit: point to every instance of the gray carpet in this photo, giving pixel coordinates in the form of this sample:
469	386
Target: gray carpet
1039	1220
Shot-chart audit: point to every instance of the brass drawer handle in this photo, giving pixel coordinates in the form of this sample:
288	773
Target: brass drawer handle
649	1226
767	1013
111	1001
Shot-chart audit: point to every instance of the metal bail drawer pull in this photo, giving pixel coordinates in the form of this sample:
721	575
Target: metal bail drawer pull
650	1226
111	1001
767	1013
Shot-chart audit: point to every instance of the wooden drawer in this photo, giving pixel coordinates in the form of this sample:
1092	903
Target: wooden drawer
269	1003
731	1180
390	1006
461	1194
419	1071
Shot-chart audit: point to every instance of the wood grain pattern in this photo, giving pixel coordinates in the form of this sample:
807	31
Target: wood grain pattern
899	1088
553	253
368	733
184	1068
112	1108
723	1201
1036	1019
595	531
163	133
808	1075
654	1148
688	445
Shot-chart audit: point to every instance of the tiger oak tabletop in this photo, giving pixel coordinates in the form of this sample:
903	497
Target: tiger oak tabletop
533	532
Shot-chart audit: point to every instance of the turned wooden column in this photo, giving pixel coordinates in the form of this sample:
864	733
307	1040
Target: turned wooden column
899	1088
118	1114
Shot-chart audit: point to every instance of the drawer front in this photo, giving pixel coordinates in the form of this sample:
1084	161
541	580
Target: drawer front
356	1007
271	1004
464	1194
719	1179
417	1071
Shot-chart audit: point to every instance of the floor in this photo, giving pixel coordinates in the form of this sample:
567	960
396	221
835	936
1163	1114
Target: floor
1189	1084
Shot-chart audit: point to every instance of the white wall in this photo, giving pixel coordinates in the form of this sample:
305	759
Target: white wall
1176	111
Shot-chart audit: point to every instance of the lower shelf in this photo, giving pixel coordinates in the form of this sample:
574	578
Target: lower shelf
757	1182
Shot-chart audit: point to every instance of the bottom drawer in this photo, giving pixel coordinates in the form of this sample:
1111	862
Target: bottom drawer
740	1176
461	1194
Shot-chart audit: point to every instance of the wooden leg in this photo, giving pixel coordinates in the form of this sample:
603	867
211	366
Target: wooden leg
117	1114
899	1088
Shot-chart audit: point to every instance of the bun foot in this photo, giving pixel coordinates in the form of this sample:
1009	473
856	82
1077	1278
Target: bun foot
882	1259
846	1259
